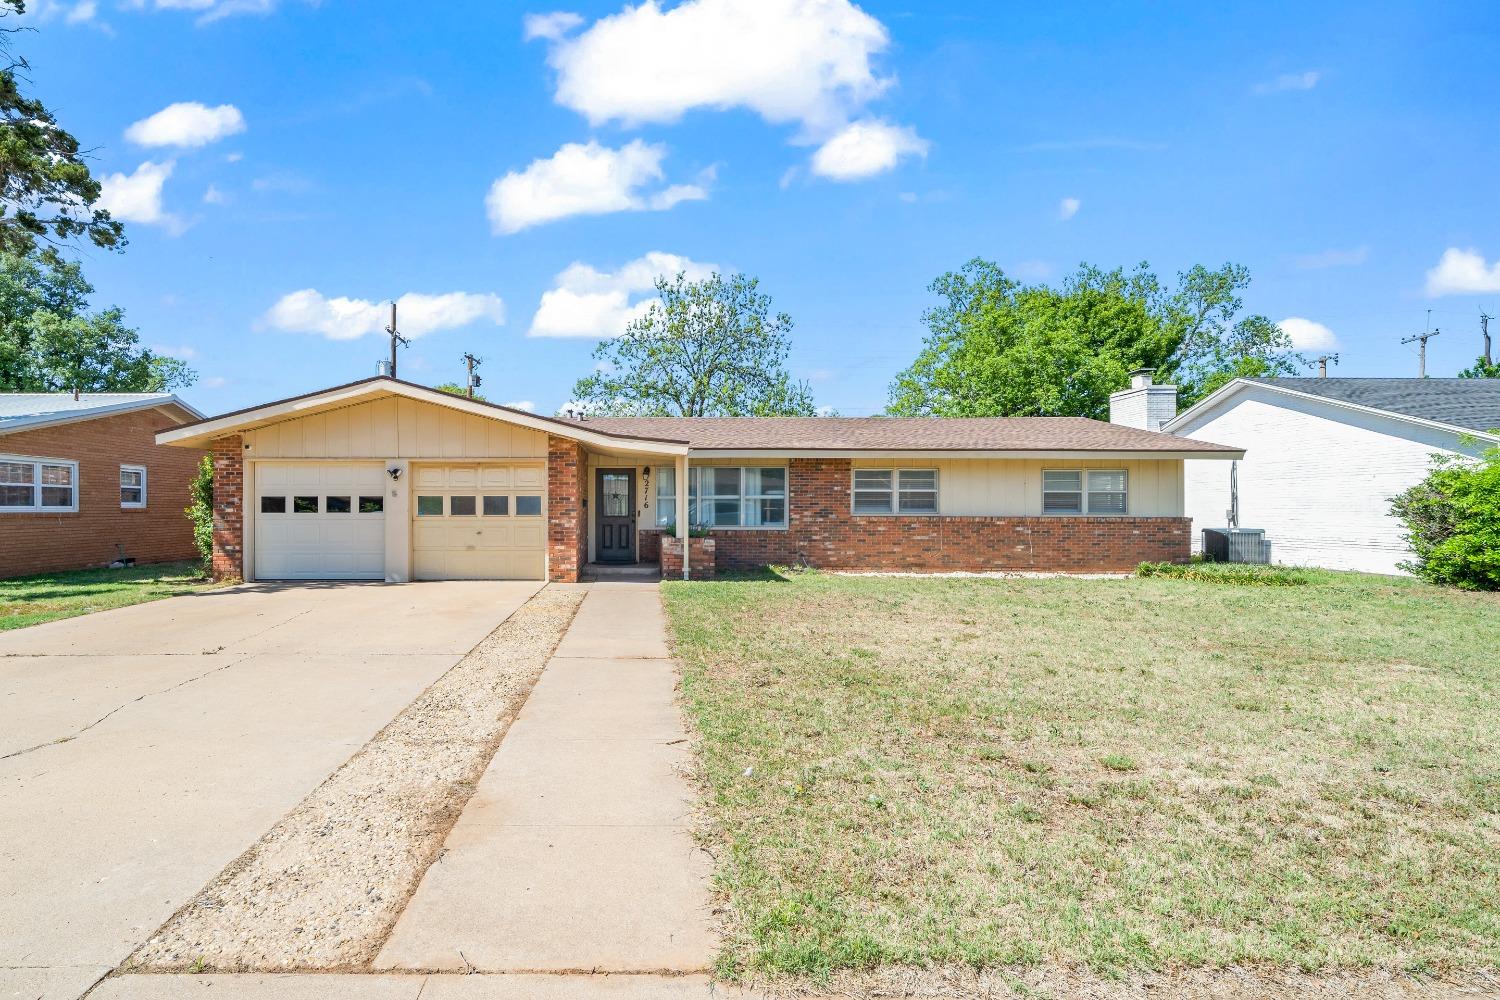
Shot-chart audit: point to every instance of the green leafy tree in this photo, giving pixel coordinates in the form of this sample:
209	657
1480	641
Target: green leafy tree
200	510
1481	368
454	389
996	347
709	348
47	194
50	342
1452	520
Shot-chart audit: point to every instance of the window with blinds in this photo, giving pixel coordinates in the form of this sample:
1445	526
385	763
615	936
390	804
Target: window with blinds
1079	491
725	496
895	491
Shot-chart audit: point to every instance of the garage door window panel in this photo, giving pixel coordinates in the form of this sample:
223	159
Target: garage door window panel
371	505
304	505
497	506
337	505
273	505
528	506
429	506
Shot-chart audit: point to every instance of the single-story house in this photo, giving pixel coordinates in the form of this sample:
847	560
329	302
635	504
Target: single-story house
1325	455
83	482
387	480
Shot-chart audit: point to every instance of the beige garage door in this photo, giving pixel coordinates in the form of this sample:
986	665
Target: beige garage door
319	521
479	522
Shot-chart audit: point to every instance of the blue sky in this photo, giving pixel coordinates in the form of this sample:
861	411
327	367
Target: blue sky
336	155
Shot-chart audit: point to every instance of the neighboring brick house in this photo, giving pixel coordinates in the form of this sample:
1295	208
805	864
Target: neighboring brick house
83	481
388	480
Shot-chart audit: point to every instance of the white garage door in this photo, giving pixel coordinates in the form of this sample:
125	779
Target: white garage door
479	522
320	521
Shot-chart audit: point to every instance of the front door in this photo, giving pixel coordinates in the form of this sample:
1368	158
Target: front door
616	515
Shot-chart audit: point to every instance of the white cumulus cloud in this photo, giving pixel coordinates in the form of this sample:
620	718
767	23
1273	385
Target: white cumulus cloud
549	26
340	318
1308	335
865	148
187	124
1305	80
1463	272
137	197
521	404
586	302
208	11
587	179
1067	208
804	61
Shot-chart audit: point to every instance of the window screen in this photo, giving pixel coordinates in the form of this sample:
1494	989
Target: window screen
873	489
1106	492
1062	492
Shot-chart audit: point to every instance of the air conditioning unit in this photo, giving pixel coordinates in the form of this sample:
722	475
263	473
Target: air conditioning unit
1236	545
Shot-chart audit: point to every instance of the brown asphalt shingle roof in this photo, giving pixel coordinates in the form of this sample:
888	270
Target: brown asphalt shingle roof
901	434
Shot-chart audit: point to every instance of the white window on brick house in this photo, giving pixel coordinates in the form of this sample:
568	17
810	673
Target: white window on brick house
38	484
132	486
895	491
725	496
1084	491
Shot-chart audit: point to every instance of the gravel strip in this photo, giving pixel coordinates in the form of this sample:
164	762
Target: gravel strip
323	889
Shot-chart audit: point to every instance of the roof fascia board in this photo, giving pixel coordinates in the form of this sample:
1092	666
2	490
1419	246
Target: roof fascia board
372	389
94	413
1213	400
933	454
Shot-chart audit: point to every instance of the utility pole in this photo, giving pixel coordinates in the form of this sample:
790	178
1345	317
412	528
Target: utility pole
1422	354
1484	329
1323	364
396	339
471	362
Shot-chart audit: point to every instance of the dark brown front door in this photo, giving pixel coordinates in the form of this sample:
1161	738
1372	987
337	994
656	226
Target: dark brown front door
616	515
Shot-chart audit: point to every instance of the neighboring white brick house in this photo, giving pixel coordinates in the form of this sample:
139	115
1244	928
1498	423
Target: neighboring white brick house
1323	457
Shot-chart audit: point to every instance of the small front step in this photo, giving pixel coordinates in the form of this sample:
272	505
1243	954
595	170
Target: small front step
633	572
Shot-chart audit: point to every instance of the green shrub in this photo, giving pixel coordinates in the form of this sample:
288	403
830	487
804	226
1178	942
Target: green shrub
200	510
1249	574
1453	522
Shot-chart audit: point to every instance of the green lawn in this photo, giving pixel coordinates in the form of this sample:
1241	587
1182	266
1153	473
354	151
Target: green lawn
1122	775
31	600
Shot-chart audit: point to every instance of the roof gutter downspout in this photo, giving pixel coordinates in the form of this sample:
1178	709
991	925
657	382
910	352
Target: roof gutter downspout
682	510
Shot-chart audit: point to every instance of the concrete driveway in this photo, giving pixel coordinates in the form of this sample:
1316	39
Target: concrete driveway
143	749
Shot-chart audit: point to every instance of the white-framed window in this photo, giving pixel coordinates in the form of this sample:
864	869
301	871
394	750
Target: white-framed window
132	486
38	484
1085	491
725	496
895	491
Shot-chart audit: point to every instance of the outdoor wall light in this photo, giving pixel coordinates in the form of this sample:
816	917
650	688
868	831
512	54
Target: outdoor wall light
394	472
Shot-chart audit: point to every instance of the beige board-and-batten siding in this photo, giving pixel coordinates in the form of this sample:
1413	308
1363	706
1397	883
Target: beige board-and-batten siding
405	435
395	427
1012	487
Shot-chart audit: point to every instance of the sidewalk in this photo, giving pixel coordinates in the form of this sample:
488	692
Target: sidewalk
575	852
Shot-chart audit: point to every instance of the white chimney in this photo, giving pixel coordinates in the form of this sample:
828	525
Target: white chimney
1145	404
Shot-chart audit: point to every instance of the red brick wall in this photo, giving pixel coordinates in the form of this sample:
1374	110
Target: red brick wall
702	559
823	532
229	507
159	532
567	534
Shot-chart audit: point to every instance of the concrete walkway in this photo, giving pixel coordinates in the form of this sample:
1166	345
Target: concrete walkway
575	853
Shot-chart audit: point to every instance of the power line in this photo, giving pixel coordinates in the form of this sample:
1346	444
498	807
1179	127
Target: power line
1422	338
396	339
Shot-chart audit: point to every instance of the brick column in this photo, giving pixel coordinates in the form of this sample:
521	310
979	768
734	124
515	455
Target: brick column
229	513
567	528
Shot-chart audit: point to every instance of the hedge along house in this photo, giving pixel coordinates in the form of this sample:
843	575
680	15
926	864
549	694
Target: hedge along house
387	480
